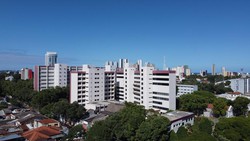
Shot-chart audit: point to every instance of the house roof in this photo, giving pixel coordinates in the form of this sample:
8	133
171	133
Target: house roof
114	107
210	106
10	137
41	133
47	121
24	127
235	93
177	115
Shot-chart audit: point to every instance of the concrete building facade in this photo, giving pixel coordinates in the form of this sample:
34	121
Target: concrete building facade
179	119
185	89
144	85
241	85
50	76
50	58
26	74
87	85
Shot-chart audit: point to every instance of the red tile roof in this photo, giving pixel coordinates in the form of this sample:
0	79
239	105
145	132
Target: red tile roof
41	133
235	93
47	121
210	106
24	127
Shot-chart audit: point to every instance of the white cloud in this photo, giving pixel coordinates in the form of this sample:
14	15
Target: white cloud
18	59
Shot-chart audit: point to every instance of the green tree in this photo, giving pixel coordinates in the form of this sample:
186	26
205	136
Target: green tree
205	126
227	83
199	136
154	128
48	96
240	106
3	105
61	107
75	132
220	107
182	133
48	111
129	119
173	136
74	113
234	129
100	131
119	126
196	102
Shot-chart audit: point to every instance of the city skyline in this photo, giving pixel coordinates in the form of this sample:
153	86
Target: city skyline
197	33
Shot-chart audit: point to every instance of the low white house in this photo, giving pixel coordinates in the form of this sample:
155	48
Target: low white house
179	118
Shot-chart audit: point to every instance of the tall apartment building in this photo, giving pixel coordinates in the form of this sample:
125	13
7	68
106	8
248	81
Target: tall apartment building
110	80
26	73
154	89
87	85
144	85
50	76
50	58
182	71
213	70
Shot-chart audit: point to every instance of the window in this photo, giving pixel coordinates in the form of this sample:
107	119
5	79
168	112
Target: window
162	84
165	79
160	98
157	102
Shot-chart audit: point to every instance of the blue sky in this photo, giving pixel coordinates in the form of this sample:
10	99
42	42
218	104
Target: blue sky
198	33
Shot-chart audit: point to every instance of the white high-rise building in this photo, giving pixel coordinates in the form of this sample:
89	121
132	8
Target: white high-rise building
53	74
144	85
188	72
50	76
50	58
154	89
26	74
87	85
223	71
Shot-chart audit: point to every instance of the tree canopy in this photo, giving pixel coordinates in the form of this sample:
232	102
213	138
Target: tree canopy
234	129
131	123
220	107
154	128
196	102
240	106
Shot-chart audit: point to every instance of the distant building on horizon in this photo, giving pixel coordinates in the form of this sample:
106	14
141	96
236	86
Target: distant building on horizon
50	58
181	72
203	72
213	70
26	74
223	71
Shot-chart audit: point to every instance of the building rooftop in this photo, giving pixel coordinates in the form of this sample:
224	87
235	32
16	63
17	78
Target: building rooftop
10	137
176	115
47	121
41	133
210	106
232	96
